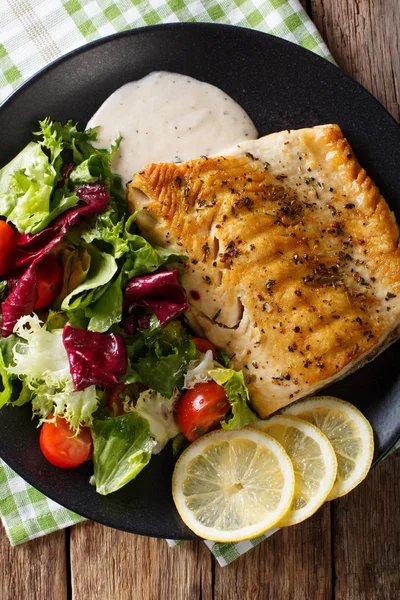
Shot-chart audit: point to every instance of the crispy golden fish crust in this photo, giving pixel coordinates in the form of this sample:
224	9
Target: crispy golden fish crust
294	261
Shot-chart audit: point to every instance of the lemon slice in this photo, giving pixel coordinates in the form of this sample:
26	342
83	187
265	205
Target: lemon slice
230	486
348	431
314	463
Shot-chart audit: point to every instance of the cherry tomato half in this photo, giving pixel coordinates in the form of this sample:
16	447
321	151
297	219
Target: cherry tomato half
118	395
201	409
61	448
203	345
49	277
7	246
115	401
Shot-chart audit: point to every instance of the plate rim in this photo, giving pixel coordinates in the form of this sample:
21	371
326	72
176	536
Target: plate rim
188	25
205	26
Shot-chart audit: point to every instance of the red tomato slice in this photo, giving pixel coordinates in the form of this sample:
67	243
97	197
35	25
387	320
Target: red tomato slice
7	246
61	448
117	396
201	409
115	402
49	277
203	345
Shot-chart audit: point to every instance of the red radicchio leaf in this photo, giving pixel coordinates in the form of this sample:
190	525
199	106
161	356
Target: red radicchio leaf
160	293
20	301
13	279
66	171
32	247
94	358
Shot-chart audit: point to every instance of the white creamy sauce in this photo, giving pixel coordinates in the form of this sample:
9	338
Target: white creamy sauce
167	117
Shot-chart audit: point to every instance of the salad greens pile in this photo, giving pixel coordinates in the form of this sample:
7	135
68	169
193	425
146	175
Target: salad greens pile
114	326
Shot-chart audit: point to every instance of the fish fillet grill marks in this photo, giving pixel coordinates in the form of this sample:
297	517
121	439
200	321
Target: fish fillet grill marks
294	264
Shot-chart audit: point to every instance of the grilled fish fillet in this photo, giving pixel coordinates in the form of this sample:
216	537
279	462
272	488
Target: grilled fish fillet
294	260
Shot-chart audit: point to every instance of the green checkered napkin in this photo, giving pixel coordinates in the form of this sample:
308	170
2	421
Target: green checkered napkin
35	32
27	513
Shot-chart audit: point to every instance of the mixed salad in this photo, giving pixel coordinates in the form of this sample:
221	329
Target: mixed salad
92	318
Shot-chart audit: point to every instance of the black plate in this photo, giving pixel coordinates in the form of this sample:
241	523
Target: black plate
281	86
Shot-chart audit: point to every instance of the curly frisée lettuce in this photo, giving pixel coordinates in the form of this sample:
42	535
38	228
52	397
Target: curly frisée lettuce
199	370
41	362
159	412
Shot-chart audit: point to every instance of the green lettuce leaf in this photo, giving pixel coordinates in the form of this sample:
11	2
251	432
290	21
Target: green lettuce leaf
76	264
7	348
118	197
89	171
109	230
3	290
238	396
102	269
12	390
56	320
5	383
143	257
26	184
159	356
164	373
56	137
108	310
61	203
179	444
122	446
91	163
223	357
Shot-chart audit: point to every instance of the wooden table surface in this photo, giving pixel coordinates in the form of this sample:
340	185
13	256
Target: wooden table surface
349	550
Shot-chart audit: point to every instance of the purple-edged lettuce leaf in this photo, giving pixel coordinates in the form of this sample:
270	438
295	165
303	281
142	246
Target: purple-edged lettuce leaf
160	293
95	358
75	265
31	247
102	269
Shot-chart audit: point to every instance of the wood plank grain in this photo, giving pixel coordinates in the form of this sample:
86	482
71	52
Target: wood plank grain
364	37
366	537
294	564
112	565
35	570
